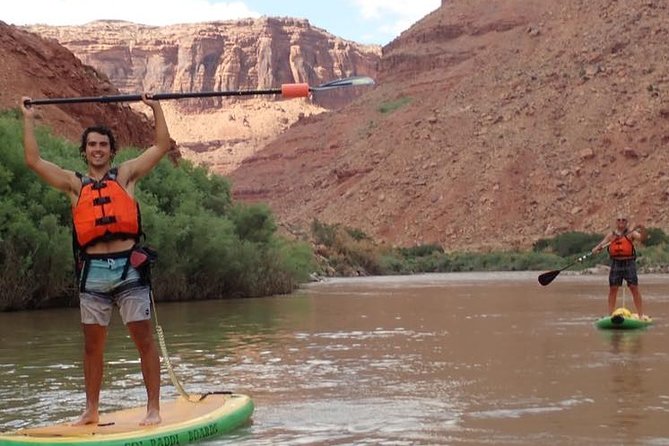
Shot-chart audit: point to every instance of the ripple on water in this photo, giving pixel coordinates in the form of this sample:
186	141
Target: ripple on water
363	421
529	409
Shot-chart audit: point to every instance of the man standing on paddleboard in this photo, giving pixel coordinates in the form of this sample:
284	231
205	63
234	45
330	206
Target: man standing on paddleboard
620	245
107	230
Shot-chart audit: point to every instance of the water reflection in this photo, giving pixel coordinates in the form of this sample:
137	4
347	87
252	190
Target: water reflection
625	341
436	359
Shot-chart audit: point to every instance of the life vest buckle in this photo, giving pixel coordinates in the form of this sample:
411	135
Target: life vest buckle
106	220
99	201
99	185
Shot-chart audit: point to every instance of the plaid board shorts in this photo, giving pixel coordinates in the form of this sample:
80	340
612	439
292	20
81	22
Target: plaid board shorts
105	289
623	269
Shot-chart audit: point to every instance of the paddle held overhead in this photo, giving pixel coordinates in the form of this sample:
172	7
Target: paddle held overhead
286	90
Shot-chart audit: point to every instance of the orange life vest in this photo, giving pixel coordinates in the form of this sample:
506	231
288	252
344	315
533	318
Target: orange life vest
104	211
622	248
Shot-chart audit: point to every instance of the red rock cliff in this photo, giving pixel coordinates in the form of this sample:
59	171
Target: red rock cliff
35	67
225	55
493	124
242	54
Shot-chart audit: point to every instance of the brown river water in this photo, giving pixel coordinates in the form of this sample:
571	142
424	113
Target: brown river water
440	359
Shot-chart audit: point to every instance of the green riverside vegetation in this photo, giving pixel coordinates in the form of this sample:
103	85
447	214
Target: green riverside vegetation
208	246
346	251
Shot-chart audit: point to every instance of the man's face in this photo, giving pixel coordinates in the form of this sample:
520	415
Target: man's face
98	149
621	223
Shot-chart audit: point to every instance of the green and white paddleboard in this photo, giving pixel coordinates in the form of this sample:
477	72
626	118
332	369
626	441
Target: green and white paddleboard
623	319
183	422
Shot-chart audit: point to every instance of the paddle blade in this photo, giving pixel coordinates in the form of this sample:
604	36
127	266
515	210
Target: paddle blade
355	81
546	278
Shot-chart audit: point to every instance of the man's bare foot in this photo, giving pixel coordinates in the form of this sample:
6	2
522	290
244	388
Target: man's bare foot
89	416
152	417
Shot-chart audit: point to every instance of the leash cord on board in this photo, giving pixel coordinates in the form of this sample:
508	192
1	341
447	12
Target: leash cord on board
166	357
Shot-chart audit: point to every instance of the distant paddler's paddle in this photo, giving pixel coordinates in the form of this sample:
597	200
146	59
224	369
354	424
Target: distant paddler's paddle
546	278
286	90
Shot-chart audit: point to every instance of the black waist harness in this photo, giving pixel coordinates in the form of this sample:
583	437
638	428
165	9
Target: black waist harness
139	257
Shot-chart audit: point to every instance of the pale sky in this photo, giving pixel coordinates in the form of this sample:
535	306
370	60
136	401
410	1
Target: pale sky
364	21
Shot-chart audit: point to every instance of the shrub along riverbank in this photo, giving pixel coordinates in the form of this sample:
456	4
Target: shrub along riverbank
346	251
209	247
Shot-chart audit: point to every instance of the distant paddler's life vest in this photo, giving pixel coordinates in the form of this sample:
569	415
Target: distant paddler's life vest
104	211
622	248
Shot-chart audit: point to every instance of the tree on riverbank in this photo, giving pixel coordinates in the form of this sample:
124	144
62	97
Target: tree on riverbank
209	247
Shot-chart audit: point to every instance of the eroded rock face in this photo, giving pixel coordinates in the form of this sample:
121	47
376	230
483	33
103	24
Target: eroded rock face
493	124
234	55
36	67
226	55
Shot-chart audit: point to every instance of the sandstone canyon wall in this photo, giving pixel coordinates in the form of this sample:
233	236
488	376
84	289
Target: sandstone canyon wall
224	55
36	67
493	124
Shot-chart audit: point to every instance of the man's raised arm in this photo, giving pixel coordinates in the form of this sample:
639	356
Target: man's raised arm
140	166
52	174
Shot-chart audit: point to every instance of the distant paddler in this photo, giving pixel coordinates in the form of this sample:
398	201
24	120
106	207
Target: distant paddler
621	249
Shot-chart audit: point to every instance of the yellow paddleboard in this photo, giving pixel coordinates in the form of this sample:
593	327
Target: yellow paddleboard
182	422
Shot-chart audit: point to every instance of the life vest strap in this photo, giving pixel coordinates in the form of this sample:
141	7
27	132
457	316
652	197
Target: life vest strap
106	220
98	185
126	268
100	201
108	255
84	274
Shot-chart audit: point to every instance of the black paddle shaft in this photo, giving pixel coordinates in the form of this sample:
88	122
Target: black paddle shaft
546	278
157	97
339	83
